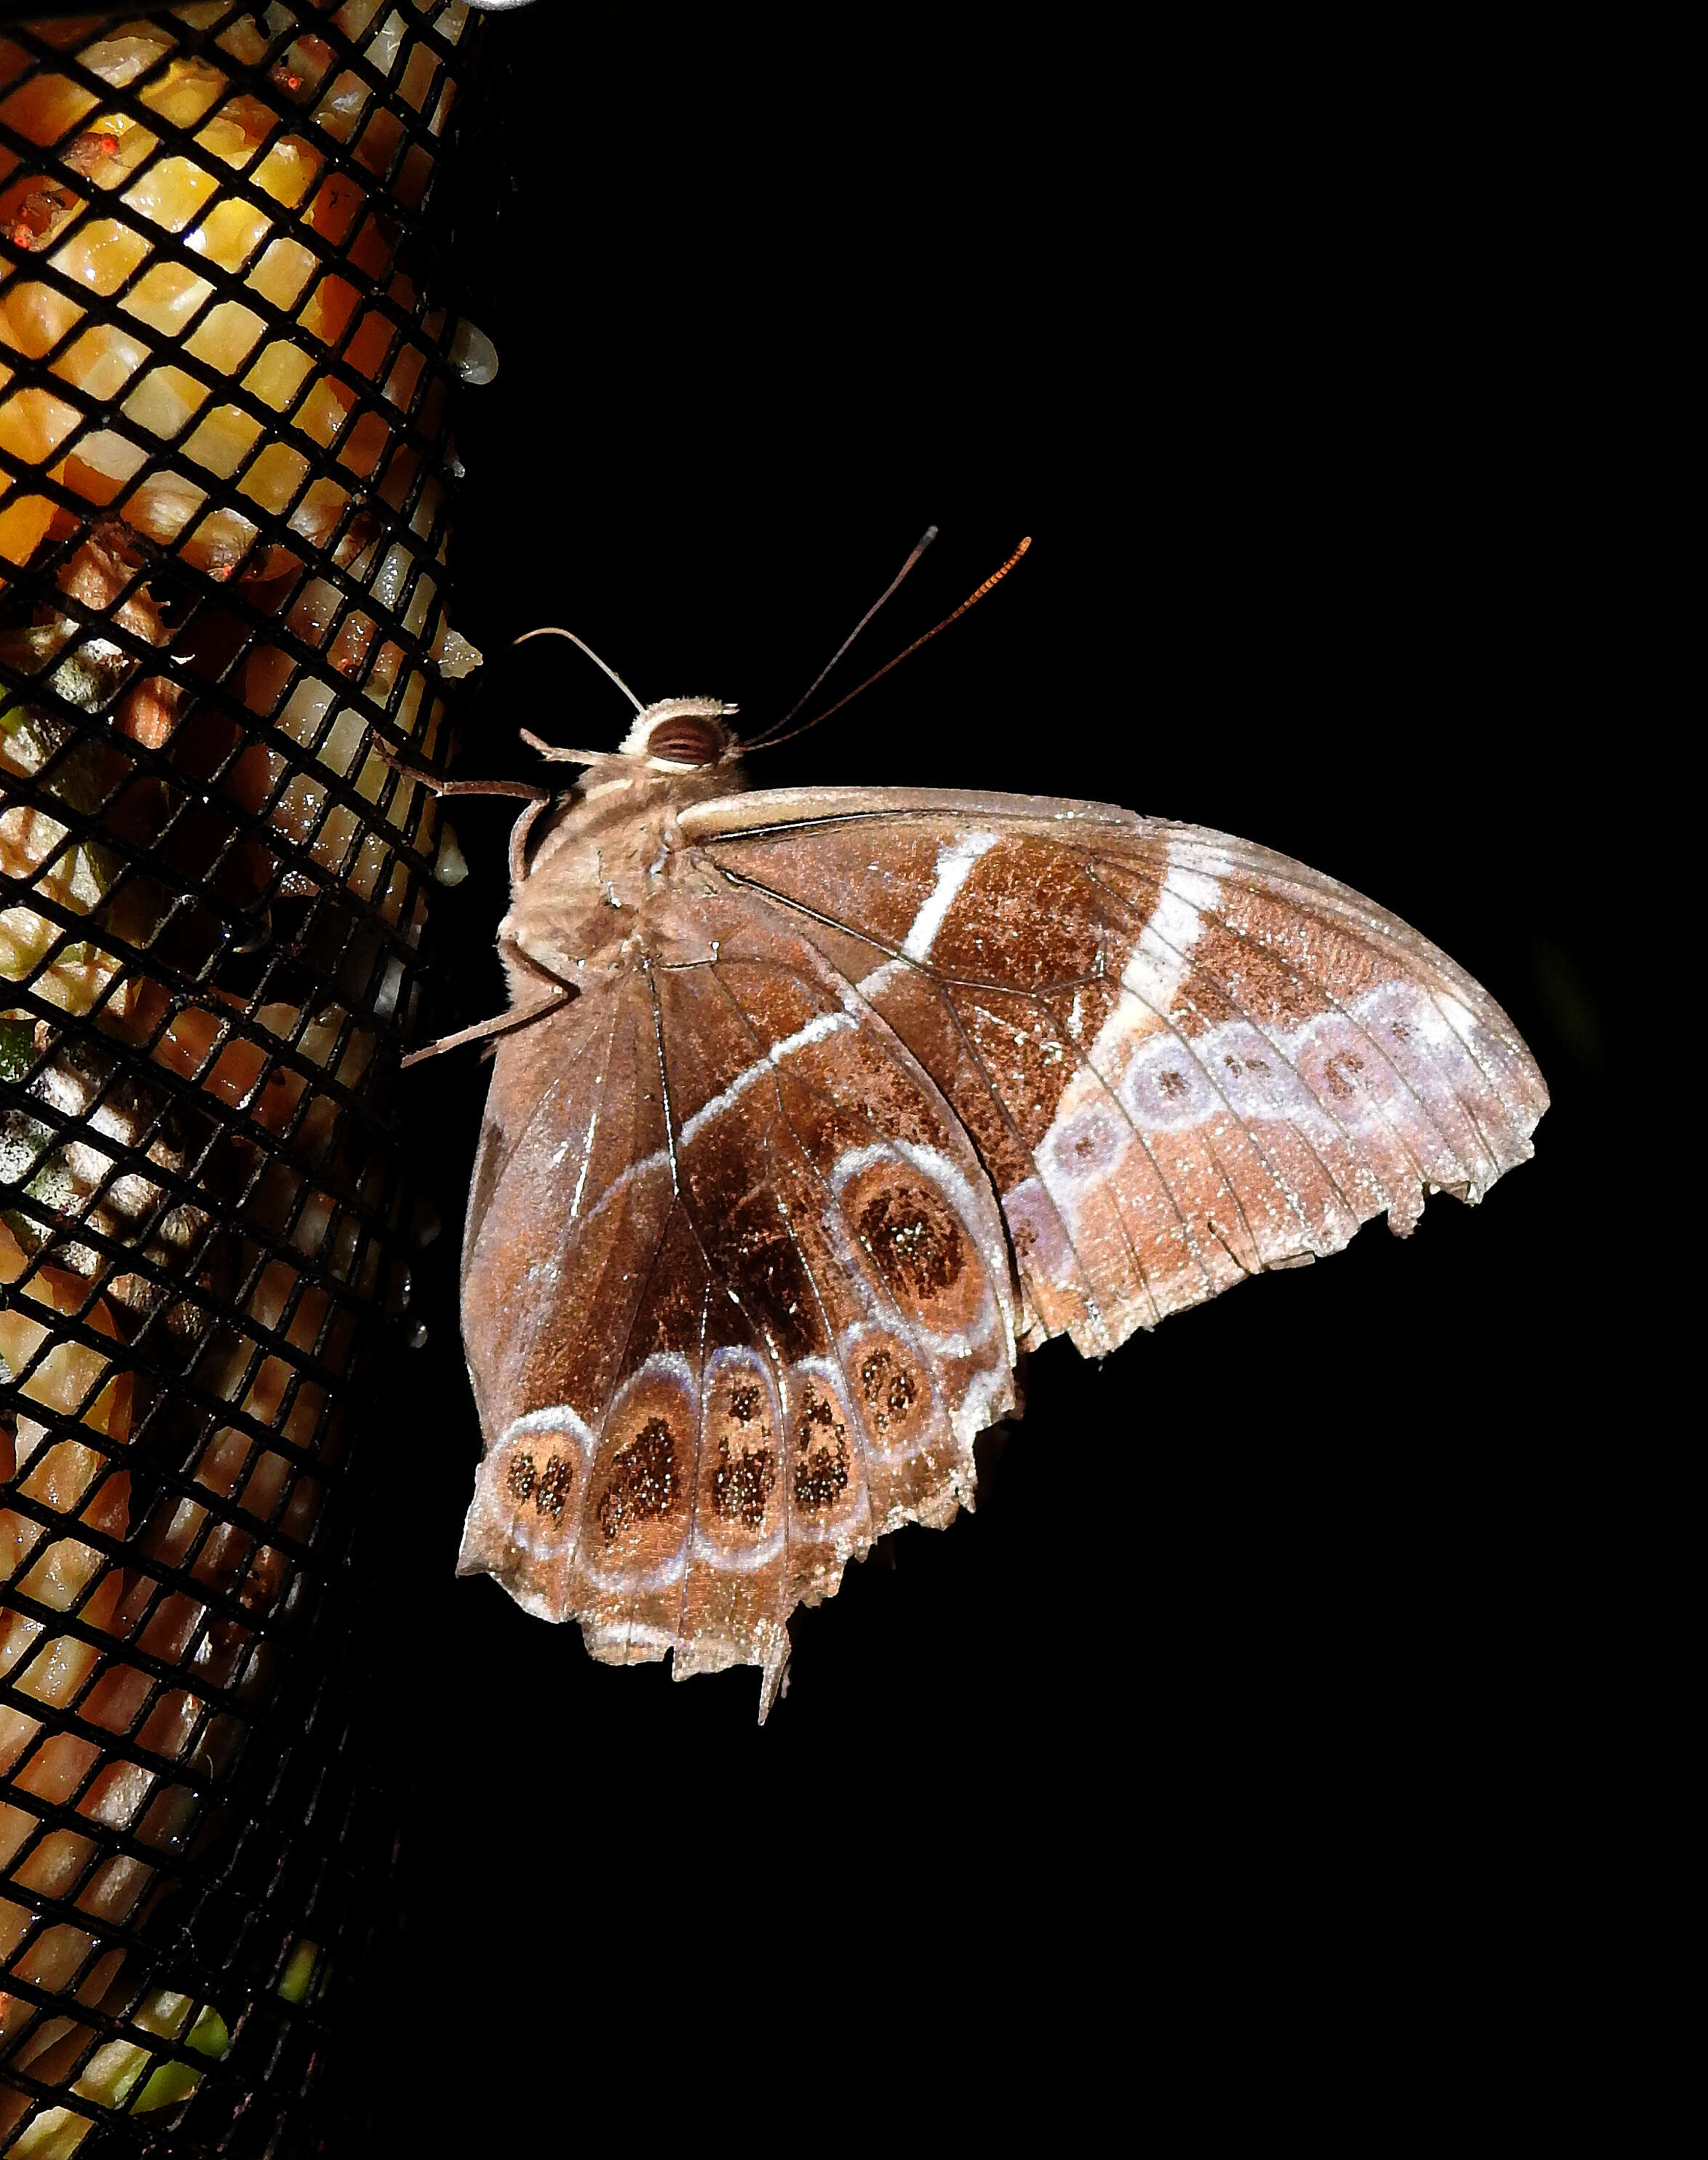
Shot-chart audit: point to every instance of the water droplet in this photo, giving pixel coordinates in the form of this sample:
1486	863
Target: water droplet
473	354
449	867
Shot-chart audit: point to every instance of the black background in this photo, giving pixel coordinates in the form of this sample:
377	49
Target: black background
1350	1726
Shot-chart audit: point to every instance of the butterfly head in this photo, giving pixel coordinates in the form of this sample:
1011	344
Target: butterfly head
682	734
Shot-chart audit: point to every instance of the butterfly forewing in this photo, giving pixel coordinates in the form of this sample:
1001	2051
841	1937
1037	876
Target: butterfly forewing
1184	1059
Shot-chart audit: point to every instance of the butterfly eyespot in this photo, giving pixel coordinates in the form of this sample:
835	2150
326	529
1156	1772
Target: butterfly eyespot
815	1411
821	1474
1173	1085
643	1481
912	1235
821	1478
553	1487
890	1391
738	1474
520	1476
1087	1145
742	1483
1336	1075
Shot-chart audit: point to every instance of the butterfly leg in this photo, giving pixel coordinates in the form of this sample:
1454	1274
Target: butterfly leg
500	1024
518	868
521	790
559	994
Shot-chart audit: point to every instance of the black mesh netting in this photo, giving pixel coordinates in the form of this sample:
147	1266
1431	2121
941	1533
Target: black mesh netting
225	478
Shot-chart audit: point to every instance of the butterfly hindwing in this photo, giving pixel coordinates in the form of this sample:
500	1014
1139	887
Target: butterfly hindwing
791	1307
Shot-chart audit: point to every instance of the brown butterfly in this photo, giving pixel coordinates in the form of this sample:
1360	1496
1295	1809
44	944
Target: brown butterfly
815	1108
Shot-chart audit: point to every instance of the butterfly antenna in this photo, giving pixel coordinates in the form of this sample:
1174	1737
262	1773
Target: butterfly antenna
972	599
812	689
550	630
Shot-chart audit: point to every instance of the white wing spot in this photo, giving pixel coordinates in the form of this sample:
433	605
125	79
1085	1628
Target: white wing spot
954	865
586	1158
815	1031
1158	962
869	986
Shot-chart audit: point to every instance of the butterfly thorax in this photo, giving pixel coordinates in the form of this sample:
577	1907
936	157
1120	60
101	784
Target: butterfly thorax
610	855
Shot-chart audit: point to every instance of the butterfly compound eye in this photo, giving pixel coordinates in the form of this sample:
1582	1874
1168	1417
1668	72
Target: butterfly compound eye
690	739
